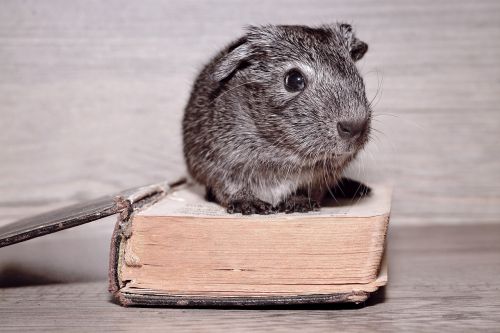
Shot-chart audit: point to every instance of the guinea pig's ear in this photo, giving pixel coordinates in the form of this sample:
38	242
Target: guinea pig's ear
356	47
238	53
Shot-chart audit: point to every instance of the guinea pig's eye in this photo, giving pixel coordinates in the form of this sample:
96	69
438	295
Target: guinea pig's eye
294	81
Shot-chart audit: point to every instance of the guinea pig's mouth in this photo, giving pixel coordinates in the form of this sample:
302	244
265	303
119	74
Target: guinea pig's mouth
331	158
351	148
355	147
335	150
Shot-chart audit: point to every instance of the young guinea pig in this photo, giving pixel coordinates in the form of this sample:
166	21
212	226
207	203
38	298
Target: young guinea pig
275	117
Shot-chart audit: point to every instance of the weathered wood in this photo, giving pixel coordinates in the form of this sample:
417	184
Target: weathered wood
441	279
92	93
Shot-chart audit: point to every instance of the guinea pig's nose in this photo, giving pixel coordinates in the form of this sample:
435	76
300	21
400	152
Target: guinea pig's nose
349	129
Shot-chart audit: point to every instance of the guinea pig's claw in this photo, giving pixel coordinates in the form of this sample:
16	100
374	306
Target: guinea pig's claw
248	207
298	204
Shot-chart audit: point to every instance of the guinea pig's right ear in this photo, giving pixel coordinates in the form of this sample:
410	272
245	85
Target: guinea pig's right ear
238	53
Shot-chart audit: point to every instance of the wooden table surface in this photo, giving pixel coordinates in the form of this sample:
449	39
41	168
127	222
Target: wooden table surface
440	279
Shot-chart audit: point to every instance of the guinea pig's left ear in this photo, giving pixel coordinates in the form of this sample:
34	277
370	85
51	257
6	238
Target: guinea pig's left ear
237	54
356	47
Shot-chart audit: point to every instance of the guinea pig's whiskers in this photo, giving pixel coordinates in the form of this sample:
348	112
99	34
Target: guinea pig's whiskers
417	125
376	130
370	153
324	174
373	130
380	81
361	171
376	141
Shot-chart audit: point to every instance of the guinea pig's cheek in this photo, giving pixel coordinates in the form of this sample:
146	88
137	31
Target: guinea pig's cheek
280	101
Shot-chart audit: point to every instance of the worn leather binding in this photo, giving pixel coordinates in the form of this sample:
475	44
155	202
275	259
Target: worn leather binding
122	203
126	204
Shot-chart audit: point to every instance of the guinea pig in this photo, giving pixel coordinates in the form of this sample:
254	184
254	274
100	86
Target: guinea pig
276	116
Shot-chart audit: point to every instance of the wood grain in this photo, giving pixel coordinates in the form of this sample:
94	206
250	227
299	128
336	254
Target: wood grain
87	85
92	92
441	279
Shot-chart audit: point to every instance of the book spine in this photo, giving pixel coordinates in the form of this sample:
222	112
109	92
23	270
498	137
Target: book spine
129	299
130	203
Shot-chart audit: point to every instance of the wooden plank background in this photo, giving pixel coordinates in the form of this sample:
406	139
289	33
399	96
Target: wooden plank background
92	94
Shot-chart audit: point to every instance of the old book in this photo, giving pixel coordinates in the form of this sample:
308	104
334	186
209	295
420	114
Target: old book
183	250
170	247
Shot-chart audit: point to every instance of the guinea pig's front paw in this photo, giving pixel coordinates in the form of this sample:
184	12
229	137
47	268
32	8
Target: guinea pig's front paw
252	206
298	204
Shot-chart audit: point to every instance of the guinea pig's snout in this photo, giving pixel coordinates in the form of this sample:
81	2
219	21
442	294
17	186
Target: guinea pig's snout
349	129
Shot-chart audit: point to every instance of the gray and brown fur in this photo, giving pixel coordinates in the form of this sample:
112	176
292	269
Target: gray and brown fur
259	148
